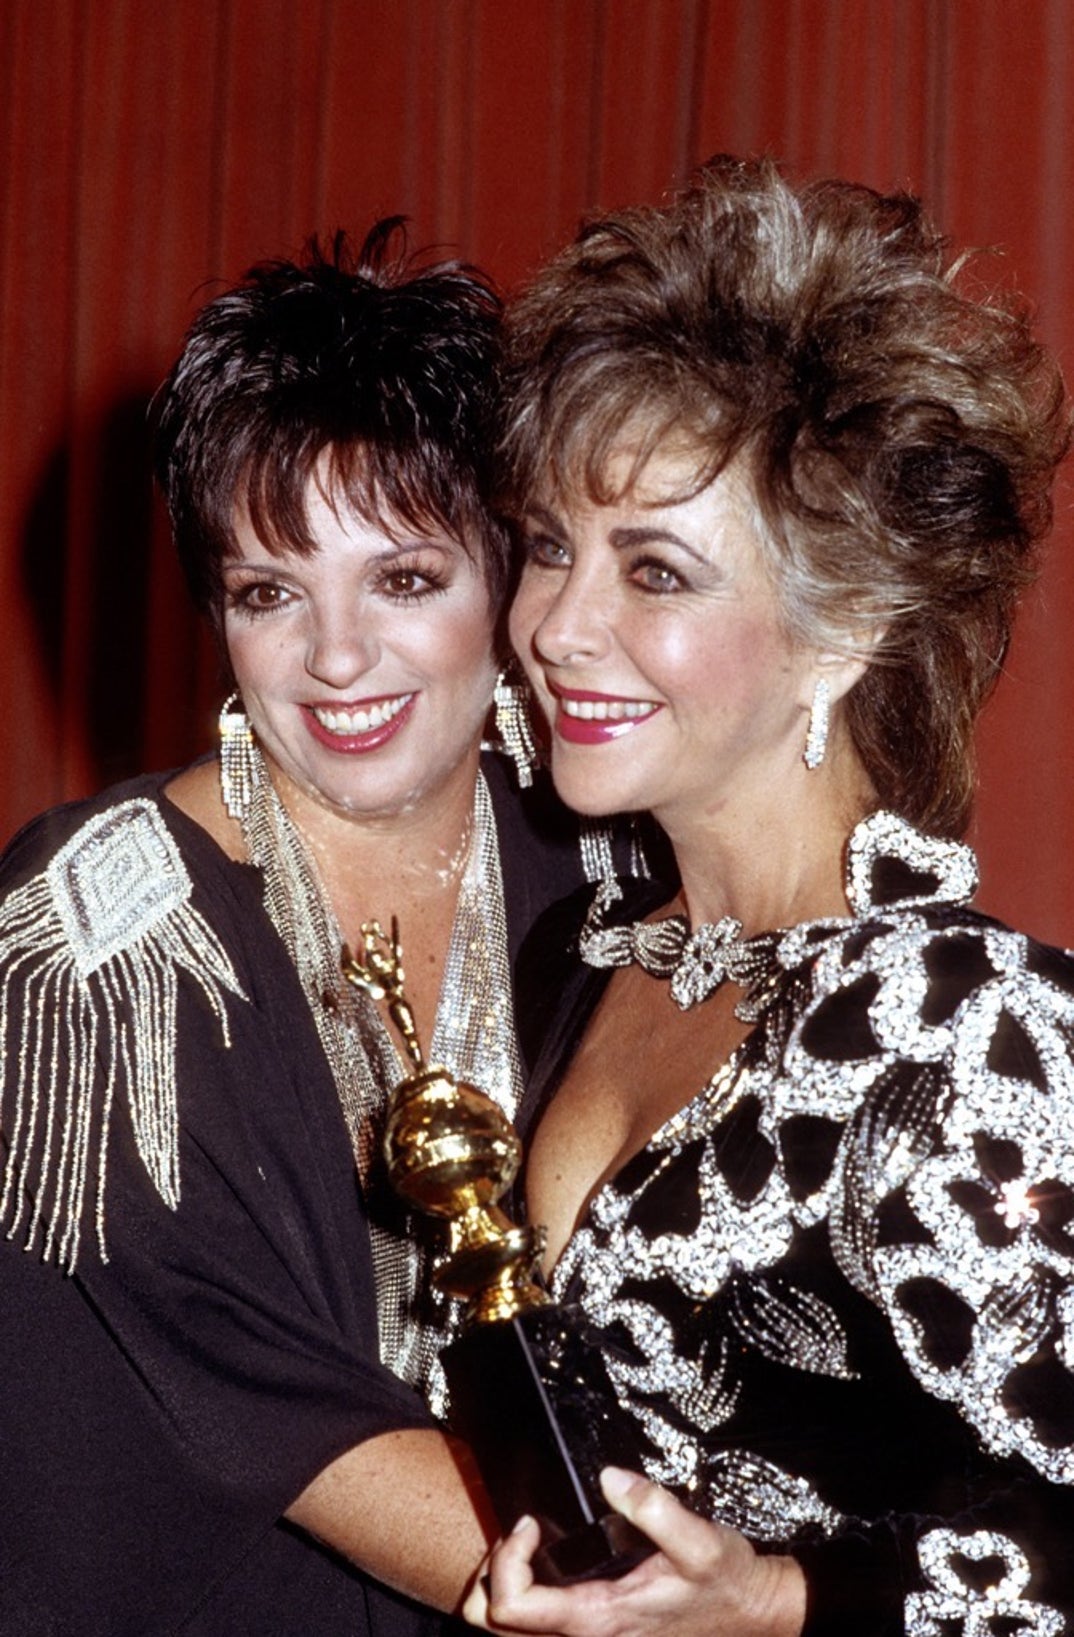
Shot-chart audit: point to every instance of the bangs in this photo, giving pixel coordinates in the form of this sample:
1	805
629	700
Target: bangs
377	485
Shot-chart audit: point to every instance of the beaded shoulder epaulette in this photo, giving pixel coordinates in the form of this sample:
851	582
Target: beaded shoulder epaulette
91	950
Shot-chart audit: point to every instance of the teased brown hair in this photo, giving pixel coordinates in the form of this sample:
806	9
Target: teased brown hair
900	432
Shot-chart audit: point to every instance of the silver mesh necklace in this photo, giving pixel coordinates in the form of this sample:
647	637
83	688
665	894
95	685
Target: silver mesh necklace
473	1036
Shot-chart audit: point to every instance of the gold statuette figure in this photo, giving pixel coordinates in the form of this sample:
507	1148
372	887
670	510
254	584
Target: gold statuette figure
452	1153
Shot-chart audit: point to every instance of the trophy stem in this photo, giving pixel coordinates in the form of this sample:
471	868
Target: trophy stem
492	1265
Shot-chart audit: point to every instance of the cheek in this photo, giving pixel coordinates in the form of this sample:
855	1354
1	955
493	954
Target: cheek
672	654
244	653
463	646
267	652
527	612
742	660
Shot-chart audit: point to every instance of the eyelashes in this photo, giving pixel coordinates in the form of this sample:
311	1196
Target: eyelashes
545	551
400	584
408	585
658	578
257	598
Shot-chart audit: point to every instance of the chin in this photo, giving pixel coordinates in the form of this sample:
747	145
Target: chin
581	796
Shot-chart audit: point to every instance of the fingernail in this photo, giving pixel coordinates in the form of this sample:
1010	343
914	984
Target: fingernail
523	1523
617	1482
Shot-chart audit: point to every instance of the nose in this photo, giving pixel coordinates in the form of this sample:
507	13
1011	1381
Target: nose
341	647
570	624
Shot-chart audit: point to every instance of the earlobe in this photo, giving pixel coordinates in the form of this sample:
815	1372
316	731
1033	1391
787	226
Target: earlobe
840	672
842	667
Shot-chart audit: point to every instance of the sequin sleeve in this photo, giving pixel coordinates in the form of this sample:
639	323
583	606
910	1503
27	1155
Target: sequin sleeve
951	1208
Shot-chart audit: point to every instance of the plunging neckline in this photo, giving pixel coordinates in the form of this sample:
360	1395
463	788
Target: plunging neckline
665	1136
890	868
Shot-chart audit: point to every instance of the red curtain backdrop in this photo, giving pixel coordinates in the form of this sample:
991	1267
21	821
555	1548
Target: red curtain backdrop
152	147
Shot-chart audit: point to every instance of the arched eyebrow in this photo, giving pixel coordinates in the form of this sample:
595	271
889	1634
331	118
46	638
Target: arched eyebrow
541	514
634	535
623	538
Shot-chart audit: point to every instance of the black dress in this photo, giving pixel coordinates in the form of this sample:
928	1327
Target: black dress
189	1326
835	1292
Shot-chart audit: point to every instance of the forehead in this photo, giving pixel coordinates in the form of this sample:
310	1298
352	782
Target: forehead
671	477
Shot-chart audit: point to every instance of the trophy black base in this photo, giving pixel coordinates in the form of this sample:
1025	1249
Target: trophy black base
535	1405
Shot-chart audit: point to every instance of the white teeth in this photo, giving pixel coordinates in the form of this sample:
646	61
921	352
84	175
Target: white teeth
347	723
607	710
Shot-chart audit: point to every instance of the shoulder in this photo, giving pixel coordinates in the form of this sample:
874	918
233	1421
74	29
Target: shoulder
100	927
33	846
128	852
918	1015
917	971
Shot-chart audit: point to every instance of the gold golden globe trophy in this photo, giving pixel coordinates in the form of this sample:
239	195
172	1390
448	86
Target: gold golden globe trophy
529	1394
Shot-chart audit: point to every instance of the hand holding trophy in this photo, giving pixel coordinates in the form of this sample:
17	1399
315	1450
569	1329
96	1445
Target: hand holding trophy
528	1394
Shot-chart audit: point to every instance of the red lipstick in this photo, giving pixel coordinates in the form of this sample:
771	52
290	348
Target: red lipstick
358	742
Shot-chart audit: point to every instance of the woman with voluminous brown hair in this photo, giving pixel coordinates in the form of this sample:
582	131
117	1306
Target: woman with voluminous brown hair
802	1136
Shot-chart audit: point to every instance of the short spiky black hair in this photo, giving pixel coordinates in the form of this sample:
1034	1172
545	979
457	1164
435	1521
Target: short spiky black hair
378	363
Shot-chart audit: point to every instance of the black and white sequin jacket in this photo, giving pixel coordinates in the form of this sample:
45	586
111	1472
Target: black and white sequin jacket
836	1291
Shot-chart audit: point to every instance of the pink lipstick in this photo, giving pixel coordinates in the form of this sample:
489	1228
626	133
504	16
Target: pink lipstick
596	718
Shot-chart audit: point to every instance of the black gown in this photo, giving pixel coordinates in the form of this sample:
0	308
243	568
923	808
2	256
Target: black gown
189	1326
835	1292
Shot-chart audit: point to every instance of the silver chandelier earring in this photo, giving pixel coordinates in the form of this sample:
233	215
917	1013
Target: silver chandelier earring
514	702
239	767
817	732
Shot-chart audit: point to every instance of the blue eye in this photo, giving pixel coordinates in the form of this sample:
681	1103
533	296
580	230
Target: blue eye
654	576
546	551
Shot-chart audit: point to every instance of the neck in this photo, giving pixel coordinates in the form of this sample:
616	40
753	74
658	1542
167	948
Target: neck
769	863
375	864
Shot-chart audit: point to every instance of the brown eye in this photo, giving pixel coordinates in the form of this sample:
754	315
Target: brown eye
413	583
258	597
264	596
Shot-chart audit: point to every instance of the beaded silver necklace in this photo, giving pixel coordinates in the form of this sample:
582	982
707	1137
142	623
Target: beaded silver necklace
697	963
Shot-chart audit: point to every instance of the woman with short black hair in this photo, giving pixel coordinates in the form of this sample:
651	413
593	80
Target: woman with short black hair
208	1324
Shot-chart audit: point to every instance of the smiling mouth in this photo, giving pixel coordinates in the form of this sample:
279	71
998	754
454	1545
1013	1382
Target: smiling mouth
597	719
607	710
348	723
